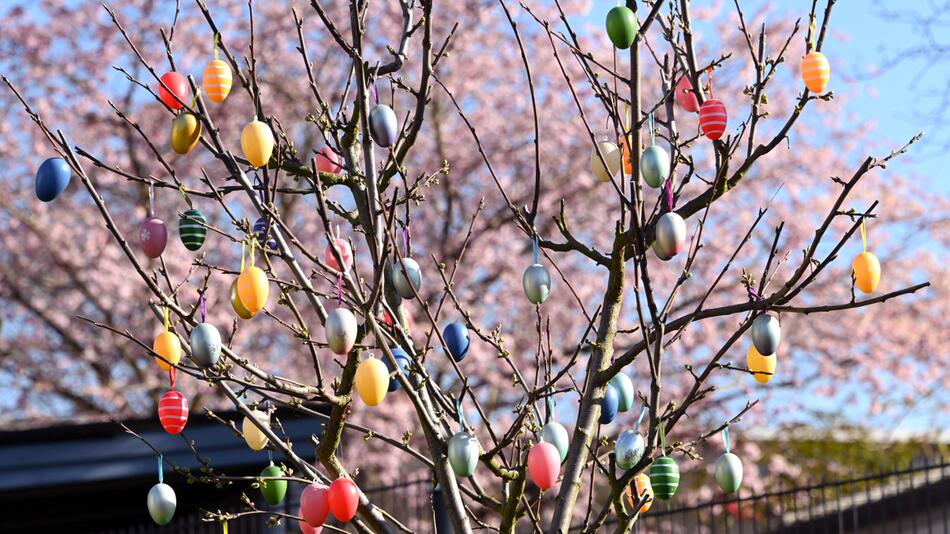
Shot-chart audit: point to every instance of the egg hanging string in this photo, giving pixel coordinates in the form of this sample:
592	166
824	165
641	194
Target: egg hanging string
184	195
151	202
339	289
550	406
663	439
161	473
171	378
224	527
643	412
864	234
243	253
652	130
709	74
463	425
204	310
535	249
725	438
668	190
217	37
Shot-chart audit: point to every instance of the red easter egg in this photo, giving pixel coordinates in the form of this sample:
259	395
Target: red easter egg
173	411
685	96
314	505
544	464
153	236
328	161
388	319
343	247
713	118
177	85
344	498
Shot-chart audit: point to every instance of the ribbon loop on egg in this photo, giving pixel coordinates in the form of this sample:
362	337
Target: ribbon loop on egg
161	473
725	438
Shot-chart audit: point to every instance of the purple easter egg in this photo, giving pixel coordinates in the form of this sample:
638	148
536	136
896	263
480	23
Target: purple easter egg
152	236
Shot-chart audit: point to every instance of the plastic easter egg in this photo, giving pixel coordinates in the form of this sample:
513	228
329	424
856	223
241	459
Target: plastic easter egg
630	448
173	411
162	503
344	498
52	178
766	334
254	436
314	504
622	26
625	156
253	289
404	362
867	271
537	283
236	303
763	367
168	346
341	330
262	232
641	483
685	96
655	166
544	464
273	490
186	132
406	281
257	141
346	254
307	529
463	454
217	80
625	390
328	161
611	155
729	472
383	125
205	342
713	118
457	340
555	434
609	404
816	72
660	252
372	381
664	477
153	236
192	229
671	234
177	86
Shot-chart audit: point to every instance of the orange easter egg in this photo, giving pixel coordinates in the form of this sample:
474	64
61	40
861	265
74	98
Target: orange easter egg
253	289
762	366
168	347
816	72
642	484
867	271
217	80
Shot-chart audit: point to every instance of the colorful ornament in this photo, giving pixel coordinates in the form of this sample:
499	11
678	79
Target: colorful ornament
664	477
630	448
766	334
52	178
728	468
762	367
345	252
625	390
655	162
372	381
554	433
670	234
463	454
173	411
622	26
307	529
192	229
341	330
328	161
257	141
344	499
867	271
262	232
186	132
217	77
404	363
536	280
685	96
544	465
383	125
641	483
254	436
407	275
609	405
713	118
236	303
168	346
457	340
314	504
611	156
205	345
273	490
253	287
162	503
153	236
815	72
177	86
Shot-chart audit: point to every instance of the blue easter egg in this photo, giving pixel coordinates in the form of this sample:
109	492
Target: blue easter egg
403	360
457	340
52	178
262	231
609	405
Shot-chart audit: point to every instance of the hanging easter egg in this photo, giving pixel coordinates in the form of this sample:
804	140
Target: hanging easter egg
544	464
192	229
383	125
626	156
685	96
404	362
664	477
314	504
630	448
766	334
660	252
345	252
463	454
273	490
153	236
236	303
456	340
867	271
344	498
307	529
622	26
729	472
713	118
177	86
168	346
763	367
253	288
186	132
611	156
537	283
555	434
173	411
217	80
52	178
162	503
670	234
816	72
205	345
625	391
609	404
257	141
655	166
372	381
262	232
328	161
341	330
254	436
641	483
406	276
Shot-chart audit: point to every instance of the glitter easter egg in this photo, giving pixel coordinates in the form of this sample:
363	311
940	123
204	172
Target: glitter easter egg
630	448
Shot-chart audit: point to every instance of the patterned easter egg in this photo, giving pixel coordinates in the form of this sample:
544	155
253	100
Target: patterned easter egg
622	26
625	390
713	118
685	96
457	340
766	334
405	364
254	436
205	342
341	330
670	234
236	303
253	288
641	483
177	86
328	161
173	411
611	156
257	142
162	503
153	236
168	347
664	477
383	125
372	381
763	367
262	232
344	499
555	434
537	283
655	166
52	178
273	490
314	504
217	80
345	252
609	405
729	472
816	72
867	271
186	132
630	448
544	465
463	454
192	229
407	275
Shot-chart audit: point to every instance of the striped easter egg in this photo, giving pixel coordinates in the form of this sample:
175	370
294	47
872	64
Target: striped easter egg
664	477
713	118
173	411
192	229
816	72
217	80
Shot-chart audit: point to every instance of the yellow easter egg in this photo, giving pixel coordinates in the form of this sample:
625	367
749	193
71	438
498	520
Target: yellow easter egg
867	271
372	381
236	303
186	132
257	141
611	156
217	80
167	346
253	289
254	437
762	366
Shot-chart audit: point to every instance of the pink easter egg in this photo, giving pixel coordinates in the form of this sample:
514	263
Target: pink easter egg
544	464
343	247
685	96
307	529
153	236
315	505
328	161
